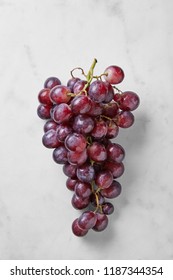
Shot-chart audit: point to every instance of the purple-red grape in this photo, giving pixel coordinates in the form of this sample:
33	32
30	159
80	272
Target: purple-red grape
87	220
101	222
60	155
107	208
50	139
98	91
83	124
77	230
79	203
43	111
61	113
51	82
70	183
125	119
129	101
44	96
114	74
115	152
104	179
60	94
86	173
83	189
112	191
75	142
97	152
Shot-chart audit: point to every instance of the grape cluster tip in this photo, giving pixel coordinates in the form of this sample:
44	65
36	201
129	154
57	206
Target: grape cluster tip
81	120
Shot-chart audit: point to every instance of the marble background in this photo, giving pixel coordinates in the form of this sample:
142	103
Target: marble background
50	37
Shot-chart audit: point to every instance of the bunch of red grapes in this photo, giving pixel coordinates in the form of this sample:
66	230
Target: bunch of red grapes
81	119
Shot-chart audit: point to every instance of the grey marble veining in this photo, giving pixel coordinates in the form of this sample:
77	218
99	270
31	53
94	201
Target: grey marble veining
44	38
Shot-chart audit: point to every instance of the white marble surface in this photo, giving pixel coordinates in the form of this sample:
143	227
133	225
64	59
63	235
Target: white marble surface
50	37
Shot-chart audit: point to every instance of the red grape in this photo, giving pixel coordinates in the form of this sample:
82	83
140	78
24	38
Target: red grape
101	222
114	74
61	113
104	179
75	142
59	94
70	183
112	191
83	124
60	155
115	152
79	203
81	105
50	139
129	101
98	91
125	119
87	220
51	82
97	152
43	96
77	230
86	173
43	111
83	189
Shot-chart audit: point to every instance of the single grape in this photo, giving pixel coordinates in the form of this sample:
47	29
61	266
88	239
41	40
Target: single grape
69	170
129	101
107	208
98	91
110	110
75	142
114	74
43	111
61	113
101	222
81	105
60	94
104	179
83	124
112	191
79	203
116	168
77	230
50	139
83	189
100	129
70	184
86	173
50	124
43	96
115	152
71	83
77	158
51	82
125	119
87	220
60	155
63	130
97	152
